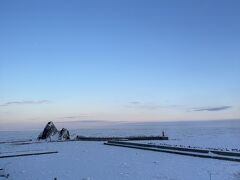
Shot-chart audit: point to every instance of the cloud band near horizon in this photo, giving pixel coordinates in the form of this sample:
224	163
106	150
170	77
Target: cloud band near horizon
217	108
25	102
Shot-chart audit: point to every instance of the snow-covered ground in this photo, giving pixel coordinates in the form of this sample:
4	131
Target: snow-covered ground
93	160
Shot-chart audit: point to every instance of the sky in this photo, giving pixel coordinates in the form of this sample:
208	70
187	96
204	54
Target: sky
120	60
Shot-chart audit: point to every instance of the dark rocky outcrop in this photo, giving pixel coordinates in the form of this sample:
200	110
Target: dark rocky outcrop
64	134
50	132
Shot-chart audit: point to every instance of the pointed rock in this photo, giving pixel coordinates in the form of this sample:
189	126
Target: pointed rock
49	130
64	134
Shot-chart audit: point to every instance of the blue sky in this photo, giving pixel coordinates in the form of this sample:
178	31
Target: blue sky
119	60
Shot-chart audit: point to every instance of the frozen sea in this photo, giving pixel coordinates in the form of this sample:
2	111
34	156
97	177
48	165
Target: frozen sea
93	160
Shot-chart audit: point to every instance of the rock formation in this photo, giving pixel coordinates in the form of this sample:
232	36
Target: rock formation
50	132
64	134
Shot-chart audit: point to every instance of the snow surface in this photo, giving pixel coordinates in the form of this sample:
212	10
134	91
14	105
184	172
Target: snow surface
93	160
